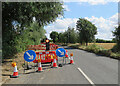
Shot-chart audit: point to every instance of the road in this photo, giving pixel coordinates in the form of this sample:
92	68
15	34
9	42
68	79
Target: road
88	68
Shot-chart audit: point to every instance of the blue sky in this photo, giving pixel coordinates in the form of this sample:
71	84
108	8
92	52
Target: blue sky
102	13
86	10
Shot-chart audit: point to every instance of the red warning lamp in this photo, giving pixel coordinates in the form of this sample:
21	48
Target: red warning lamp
47	40
47	45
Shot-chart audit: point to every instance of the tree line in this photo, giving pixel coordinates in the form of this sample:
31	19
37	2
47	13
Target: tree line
84	33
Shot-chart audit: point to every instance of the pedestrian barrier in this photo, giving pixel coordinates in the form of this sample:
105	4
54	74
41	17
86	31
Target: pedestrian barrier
46	56
41	47
15	73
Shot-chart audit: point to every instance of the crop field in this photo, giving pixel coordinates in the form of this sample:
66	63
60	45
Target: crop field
104	45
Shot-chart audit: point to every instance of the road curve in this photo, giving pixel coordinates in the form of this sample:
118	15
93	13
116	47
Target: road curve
98	69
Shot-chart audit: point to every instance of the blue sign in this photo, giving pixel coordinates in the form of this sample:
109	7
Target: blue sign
29	56
60	52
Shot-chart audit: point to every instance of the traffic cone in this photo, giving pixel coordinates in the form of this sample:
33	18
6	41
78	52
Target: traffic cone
15	73
39	66
71	58
54	62
66	54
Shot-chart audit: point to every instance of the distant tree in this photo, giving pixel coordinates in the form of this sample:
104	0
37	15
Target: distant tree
54	36
60	37
114	40
87	30
104	41
71	35
116	33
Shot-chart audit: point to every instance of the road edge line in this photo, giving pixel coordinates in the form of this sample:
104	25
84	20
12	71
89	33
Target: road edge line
89	80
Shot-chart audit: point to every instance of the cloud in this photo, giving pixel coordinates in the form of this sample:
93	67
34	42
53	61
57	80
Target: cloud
61	25
92	2
104	26
66	7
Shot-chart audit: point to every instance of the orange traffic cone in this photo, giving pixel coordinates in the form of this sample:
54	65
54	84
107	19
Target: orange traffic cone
54	62
66	54
15	73
39	66
71	58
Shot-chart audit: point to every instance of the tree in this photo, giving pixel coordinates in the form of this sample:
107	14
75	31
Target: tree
116	33
54	36
69	36
104	41
87	30
35	33
18	16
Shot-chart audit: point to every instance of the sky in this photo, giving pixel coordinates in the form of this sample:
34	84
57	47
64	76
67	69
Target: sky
102	13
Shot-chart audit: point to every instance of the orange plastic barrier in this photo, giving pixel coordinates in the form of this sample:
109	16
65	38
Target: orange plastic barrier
41	47
46	56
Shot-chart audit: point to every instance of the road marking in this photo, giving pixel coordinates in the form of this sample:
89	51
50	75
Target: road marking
89	80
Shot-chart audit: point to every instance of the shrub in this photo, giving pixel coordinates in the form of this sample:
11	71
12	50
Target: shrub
94	48
116	48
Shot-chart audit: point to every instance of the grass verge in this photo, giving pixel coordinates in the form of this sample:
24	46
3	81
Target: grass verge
97	50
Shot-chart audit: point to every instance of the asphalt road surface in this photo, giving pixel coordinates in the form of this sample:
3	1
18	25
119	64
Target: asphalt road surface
89	68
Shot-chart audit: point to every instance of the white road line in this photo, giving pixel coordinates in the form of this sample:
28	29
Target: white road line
89	80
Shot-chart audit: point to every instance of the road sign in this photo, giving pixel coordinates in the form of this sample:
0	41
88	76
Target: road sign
60	52
29	55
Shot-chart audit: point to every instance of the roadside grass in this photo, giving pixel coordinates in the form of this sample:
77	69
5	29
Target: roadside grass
104	45
7	68
103	49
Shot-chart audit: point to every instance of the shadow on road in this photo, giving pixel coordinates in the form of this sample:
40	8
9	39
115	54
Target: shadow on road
6	75
102	56
66	47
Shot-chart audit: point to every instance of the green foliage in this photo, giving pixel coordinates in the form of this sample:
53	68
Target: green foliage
116	33
36	33
69	36
116	48
87	30
104	41
23	22
54	36
97	50
94	48
62	38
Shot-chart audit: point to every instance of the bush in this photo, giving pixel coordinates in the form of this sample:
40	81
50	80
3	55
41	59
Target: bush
116	48
115	55
105	52
94	48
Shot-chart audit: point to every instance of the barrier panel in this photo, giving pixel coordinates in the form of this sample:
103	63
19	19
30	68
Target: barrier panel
41	47
46	56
